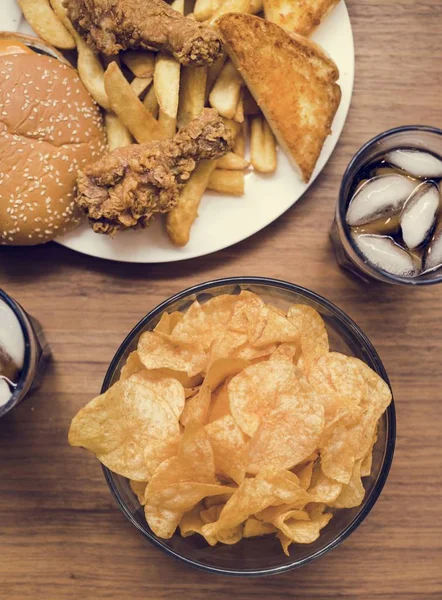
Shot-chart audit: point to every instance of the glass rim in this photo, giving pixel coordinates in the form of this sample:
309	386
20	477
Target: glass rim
409	281
20	315
389	414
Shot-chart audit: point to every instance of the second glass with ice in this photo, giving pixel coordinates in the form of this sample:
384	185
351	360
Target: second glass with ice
388	223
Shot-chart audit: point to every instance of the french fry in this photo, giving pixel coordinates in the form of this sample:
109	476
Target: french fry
256	6
166	83
181	218
230	6
239	112
150	102
179	6
91	73
214	71
204	9
250	105
89	67
227	182
225	93
167	124
46	23
233	162
233	126
140	62
239	146
140	84
262	146
117	134
128	107
192	94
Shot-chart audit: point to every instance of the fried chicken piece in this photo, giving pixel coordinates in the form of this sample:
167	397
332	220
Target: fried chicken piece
125	188
113	25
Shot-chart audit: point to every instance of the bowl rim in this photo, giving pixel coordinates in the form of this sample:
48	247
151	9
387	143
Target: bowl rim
390	415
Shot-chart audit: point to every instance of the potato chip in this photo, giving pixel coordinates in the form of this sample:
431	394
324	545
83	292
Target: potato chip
256	391
351	441
220	403
196	327
301	531
217	500
248	309
305	474
366	465
352	493
339	380
254	528
129	428
220	308
368	458
277	328
139	489
193	463
228	536
211	514
157	351
322	488
289	433
168	388
192	523
263	324
168	322
270	487
312	333
165	508
181	376
273	513
190	392
196	409
287	350
229	448
222	368
285	543
132	366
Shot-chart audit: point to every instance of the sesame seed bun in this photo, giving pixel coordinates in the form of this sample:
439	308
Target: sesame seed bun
49	129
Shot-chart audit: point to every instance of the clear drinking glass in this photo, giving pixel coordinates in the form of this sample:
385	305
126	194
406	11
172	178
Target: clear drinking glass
348	255
36	354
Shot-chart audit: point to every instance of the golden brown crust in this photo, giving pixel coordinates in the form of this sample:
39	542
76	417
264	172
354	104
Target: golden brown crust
298	16
291	78
49	127
128	186
114	25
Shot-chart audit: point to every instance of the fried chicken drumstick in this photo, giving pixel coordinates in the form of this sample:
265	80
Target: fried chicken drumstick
113	25
125	188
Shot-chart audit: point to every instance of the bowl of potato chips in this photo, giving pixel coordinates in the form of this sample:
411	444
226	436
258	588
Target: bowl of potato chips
246	426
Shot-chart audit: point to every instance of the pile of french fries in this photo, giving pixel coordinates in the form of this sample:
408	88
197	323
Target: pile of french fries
147	96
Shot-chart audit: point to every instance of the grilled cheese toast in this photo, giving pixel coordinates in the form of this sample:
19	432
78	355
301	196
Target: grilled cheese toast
292	80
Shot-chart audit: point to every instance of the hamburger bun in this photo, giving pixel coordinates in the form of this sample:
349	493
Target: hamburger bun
49	129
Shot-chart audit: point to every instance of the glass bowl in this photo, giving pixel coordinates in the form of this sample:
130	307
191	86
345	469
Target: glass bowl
262	556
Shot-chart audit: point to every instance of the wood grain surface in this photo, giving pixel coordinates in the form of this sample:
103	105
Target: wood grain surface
61	535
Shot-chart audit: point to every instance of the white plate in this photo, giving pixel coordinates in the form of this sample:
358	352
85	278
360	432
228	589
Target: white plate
223	220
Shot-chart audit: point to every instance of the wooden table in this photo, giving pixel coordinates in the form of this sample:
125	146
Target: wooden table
61	535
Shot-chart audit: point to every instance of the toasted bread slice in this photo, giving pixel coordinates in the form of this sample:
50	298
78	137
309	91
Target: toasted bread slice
292	80
298	16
